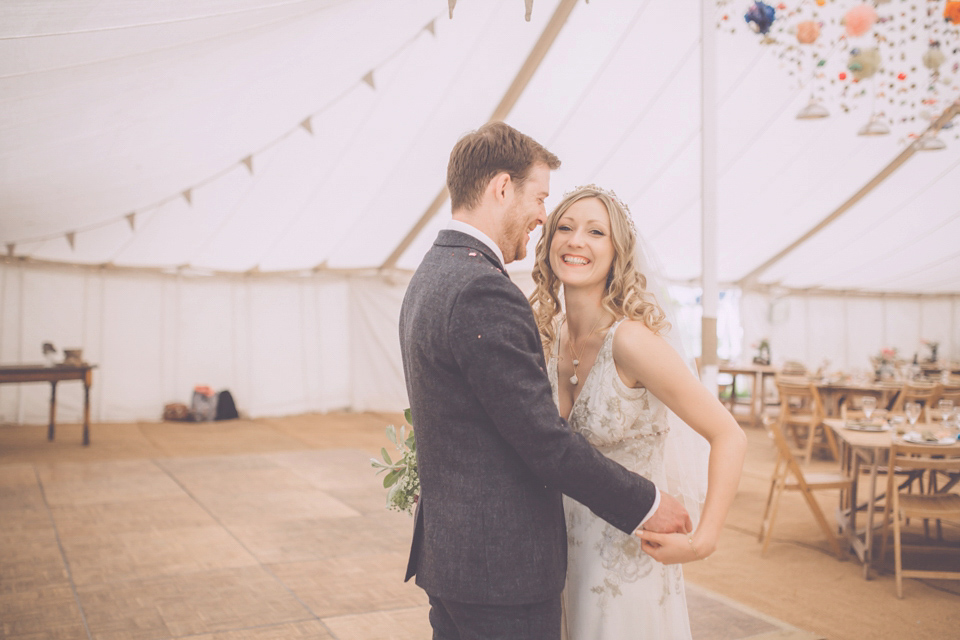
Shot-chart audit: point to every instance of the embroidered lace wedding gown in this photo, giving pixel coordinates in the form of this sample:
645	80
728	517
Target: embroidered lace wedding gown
614	590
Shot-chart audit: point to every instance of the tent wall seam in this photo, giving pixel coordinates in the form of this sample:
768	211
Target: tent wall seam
179	45
904	247
158	22
671	220
588	90
669	80
696	131
893	211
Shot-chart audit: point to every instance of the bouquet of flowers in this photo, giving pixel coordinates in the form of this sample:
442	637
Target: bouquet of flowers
402	479
933	346
887	355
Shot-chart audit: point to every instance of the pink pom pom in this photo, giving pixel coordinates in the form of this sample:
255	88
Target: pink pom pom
859	19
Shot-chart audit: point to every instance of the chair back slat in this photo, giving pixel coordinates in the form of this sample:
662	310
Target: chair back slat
906	455
925	393
799	398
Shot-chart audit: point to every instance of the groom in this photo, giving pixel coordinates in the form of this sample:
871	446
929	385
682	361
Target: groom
489	544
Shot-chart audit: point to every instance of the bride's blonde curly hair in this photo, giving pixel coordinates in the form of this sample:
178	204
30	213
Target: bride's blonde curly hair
626	294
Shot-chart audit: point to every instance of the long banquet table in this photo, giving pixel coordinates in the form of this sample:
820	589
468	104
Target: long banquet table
834	394
870	449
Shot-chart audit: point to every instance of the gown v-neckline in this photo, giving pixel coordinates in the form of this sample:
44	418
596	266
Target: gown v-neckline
586	379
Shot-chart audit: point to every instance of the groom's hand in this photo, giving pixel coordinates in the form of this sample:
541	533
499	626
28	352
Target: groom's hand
670	517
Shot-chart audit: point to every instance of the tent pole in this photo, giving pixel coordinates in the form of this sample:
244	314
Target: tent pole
750	280
708	193
517	87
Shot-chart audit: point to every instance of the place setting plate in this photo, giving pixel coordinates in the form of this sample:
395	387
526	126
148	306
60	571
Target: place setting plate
914	437
865	425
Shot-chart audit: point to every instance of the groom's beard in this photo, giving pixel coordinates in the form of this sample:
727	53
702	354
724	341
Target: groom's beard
515	236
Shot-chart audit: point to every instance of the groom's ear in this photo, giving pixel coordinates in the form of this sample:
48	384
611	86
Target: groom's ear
502	186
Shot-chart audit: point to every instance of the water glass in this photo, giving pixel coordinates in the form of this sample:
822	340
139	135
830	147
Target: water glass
869	404
912	409
946	408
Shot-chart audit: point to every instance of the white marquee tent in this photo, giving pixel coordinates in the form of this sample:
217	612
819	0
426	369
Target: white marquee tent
227	192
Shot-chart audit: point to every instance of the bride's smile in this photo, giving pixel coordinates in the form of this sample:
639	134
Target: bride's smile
582	252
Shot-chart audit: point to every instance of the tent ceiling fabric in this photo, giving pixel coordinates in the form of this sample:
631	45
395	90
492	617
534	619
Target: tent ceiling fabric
111	108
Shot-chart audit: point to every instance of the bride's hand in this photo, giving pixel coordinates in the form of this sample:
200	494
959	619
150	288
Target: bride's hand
672	548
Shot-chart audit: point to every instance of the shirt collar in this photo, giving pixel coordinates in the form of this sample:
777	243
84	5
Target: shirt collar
470	230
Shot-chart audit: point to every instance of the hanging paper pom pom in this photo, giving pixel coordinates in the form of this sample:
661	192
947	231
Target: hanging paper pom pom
820	3
859	19
760	16
864	63
808	31
952	12
933	58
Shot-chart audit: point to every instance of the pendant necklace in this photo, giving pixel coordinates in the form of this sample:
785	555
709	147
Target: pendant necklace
574	380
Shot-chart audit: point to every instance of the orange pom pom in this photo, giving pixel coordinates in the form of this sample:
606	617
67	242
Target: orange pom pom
808	31
952	12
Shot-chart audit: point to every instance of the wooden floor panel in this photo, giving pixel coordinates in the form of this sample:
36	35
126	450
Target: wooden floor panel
48	612
401	624
189	604
354	584
112	557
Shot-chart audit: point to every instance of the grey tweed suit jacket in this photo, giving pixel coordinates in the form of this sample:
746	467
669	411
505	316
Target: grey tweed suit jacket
494	455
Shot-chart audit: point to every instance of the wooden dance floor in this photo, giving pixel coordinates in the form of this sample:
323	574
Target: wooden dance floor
266	529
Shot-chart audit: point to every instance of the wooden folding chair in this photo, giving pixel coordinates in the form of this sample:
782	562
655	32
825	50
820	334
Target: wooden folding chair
802	414
788	475
951	391
926	393
933	506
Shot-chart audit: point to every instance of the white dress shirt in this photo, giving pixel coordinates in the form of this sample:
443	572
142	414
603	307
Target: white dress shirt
470	230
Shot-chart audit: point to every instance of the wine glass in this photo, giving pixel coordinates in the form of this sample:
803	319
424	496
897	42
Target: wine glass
946	408
869	404
912	409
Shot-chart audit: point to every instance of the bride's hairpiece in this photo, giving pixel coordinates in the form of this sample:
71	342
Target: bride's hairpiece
610	194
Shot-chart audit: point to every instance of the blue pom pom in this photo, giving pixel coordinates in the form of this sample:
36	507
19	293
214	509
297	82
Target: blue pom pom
760	16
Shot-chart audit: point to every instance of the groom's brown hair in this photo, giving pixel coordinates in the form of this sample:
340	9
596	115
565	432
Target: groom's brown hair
480	155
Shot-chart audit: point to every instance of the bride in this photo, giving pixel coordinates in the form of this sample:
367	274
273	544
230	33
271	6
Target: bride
619	380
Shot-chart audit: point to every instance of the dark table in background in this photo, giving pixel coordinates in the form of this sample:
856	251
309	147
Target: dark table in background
53	375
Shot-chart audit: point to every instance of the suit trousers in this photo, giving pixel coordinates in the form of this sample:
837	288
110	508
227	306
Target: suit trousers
459	621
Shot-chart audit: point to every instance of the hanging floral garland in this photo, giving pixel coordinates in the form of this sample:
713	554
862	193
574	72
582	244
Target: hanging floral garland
899	60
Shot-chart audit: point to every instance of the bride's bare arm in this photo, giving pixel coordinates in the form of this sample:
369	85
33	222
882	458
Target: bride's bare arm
644	359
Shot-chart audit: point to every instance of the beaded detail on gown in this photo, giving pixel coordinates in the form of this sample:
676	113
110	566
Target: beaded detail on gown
614	590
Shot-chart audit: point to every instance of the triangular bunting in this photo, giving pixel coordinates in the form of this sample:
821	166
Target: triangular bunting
188	196
451	4
369	79
70	238
432	27
248	162
10	249
529	4
307	125
131	220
